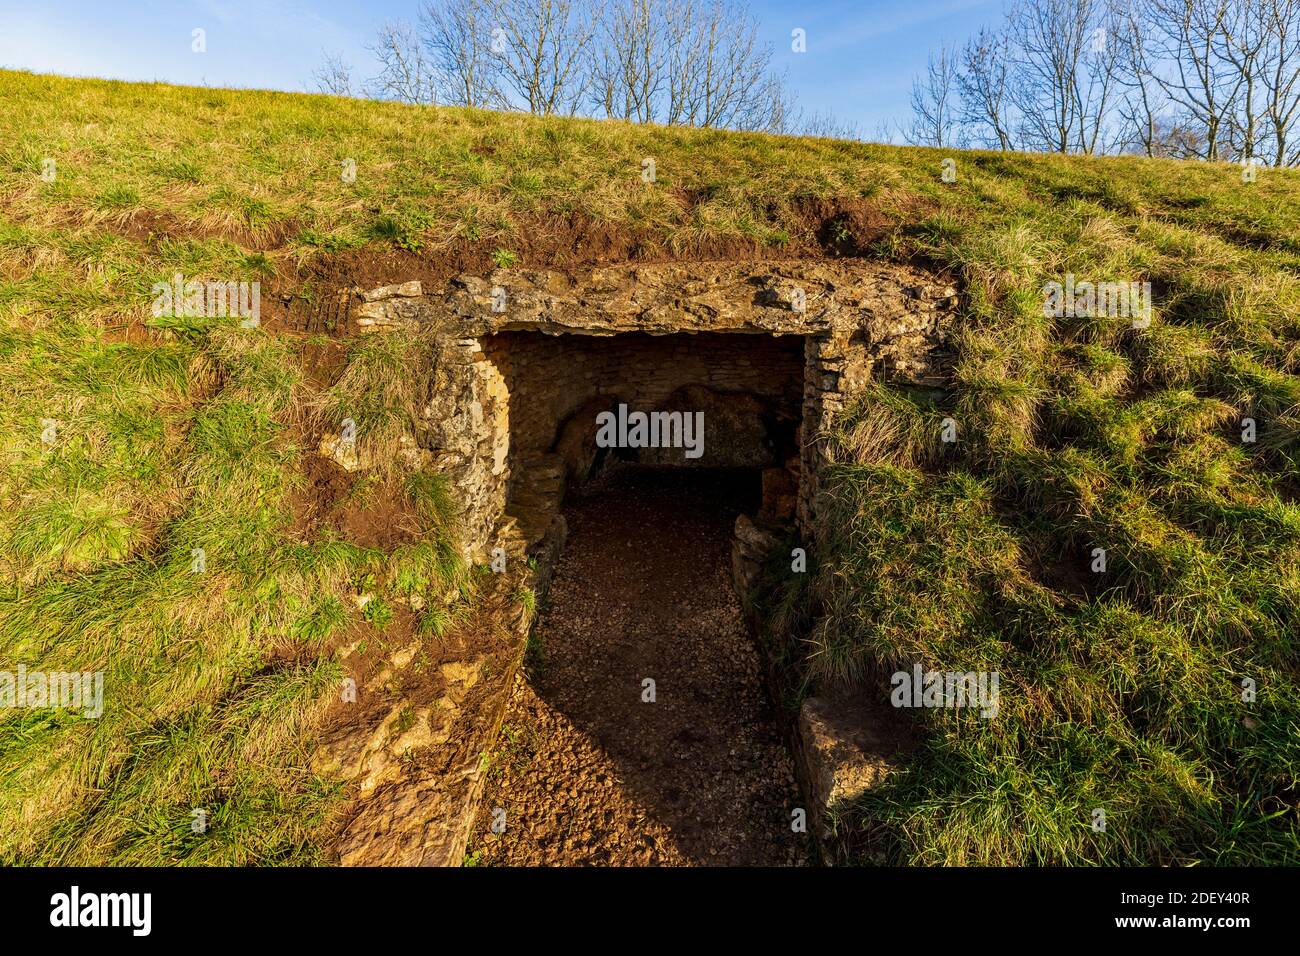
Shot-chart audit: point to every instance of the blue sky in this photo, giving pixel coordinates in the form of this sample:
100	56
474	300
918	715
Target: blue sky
861	54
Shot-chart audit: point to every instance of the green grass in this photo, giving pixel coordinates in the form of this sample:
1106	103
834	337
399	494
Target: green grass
163	449
1118	691
101	532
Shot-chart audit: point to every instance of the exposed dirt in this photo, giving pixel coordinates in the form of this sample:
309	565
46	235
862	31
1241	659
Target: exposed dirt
847	227
587	771
356	507
833	226
150	226
322	363
822	227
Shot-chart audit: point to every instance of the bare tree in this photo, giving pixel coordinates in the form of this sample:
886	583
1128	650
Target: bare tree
684	22
457	35
1066	68
1243	43
1141	103
1099	86
406	73
771	108
718	72
691	62
1280	76
1196	79
1178	139
542	50
825	125
629	62
936	109
985	86
334	75
1206	79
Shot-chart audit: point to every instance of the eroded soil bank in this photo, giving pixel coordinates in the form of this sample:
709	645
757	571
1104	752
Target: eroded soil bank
587	771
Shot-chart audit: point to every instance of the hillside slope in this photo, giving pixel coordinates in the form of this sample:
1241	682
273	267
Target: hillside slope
130	443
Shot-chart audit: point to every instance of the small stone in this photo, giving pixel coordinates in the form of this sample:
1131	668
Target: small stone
401	290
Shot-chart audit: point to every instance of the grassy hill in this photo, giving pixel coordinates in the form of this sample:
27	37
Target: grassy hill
1119	690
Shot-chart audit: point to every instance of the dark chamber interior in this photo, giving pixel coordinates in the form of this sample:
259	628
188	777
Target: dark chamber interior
748	387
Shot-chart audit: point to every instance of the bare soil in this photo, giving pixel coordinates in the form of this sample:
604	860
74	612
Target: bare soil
818	228
590	773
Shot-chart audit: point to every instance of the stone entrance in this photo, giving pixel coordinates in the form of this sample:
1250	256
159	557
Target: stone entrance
523	364
744	392
854	321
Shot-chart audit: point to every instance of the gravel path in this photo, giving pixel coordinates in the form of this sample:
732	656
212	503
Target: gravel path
590	774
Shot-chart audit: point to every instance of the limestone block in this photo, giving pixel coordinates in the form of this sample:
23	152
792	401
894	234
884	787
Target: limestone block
846	748
399	290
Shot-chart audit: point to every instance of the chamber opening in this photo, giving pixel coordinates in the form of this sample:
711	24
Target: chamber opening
579	404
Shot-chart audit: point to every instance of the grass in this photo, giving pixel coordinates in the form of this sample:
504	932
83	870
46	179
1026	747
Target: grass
214	679
1120	691
1121	688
